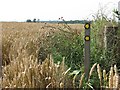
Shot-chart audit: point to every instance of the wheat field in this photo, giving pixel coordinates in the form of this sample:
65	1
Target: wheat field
25	37
20	45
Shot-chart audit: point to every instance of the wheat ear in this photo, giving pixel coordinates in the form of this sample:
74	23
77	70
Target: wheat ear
111	77
99	74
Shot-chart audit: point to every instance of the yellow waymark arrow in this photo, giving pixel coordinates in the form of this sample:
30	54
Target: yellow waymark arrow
87	26
87	38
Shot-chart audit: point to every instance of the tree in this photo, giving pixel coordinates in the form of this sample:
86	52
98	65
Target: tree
28	20
34	20
38	20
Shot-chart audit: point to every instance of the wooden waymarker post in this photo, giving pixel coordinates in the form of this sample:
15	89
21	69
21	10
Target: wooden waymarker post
87	48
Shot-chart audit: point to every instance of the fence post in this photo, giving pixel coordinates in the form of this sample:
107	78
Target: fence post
87	49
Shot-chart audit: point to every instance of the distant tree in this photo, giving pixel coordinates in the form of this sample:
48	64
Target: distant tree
38	20
28	20
34	20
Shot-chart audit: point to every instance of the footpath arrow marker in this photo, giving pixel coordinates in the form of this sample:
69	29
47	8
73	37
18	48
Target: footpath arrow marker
87	38
87	48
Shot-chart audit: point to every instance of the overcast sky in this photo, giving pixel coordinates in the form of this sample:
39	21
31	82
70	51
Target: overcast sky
20	10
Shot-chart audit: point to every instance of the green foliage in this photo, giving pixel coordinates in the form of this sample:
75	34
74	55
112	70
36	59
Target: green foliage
71	46
97	41
68	46
99	53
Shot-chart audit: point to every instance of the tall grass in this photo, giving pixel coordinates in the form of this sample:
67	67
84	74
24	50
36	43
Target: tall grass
26	73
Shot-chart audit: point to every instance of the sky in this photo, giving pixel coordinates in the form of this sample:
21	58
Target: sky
21	10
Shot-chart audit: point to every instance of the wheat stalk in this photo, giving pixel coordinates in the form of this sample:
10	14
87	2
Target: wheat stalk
81	80
91	70
111	78
115	78
99	74
105	77
61	85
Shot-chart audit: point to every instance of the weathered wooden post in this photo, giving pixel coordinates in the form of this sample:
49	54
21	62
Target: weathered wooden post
87	48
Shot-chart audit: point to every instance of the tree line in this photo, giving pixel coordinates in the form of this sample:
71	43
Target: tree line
67	22
34	20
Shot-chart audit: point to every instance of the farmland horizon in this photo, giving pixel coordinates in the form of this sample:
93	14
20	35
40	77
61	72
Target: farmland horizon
48	21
